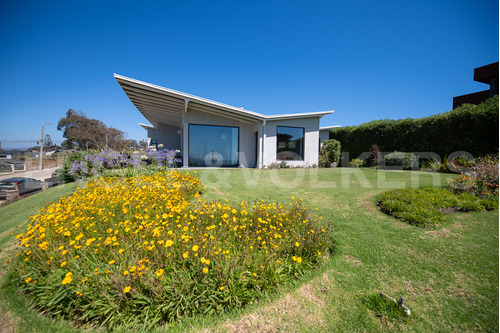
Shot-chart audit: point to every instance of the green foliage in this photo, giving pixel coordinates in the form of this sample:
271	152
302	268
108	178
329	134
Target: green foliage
86	133
386	309
356	163
425	207
405	160
482	180
329	153
279	165
471	128
435	166
63	173
148	250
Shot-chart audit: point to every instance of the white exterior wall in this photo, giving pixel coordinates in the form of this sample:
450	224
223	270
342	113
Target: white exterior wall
311	140
247	131
324	135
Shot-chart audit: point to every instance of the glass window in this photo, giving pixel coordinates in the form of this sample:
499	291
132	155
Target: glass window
213	145
290	143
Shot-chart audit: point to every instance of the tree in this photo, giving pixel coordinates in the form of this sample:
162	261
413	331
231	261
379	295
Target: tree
86	133
375	156
47	141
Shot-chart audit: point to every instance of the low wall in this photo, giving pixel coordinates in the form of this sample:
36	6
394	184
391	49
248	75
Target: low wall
48	162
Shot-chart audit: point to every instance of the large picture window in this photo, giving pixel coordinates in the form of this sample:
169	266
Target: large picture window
213	146
290	143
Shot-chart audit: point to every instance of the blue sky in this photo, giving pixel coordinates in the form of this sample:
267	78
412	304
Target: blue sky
365	59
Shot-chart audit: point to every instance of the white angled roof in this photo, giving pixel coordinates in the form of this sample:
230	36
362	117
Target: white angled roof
160	104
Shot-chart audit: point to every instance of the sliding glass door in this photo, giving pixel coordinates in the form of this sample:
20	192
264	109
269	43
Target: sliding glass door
213	146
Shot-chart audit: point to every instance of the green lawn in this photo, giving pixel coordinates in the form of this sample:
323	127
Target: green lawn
448	276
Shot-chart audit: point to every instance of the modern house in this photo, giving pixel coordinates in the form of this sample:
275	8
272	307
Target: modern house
486	74
213	134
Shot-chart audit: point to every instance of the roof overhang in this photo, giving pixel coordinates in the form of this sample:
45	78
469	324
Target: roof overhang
163	105
327	128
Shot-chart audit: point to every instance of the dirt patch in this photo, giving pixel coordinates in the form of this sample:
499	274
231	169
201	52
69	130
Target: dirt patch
285	311
441	233
353	260
307	291
216	190
367	203
419	290
8	322
303	307
383	320
460	287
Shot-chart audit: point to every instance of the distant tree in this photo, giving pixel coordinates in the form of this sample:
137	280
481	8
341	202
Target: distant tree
47	141
143	144
86	133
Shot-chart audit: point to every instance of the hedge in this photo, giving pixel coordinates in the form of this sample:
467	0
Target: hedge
470	128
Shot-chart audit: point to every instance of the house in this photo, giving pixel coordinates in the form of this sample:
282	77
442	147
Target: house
213	134
486	74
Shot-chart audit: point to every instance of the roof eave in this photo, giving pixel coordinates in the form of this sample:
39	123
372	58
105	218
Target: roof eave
299	115
189	97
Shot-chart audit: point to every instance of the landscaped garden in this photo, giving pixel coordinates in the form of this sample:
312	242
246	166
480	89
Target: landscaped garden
167	258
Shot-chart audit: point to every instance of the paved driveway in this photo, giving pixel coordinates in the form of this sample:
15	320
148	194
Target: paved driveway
40	175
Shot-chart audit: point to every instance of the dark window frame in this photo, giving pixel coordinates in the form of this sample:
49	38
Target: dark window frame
302	142
223	165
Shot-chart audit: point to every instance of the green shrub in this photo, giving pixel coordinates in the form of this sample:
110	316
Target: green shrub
435	166
387	309
356	163
425	207
463	129
329	153
65	173
482	181
405	160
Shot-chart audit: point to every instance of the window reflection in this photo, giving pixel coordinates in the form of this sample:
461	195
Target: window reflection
290	143
213	145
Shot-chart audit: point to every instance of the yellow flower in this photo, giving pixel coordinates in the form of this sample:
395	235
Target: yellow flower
254	274
319	253
126	289
121	250
221	288
185	255
67	278
195	248
159	272
28	280
111	262
205	270
63	264
299	259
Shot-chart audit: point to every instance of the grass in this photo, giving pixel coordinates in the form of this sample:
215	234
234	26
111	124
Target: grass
448	276
425	207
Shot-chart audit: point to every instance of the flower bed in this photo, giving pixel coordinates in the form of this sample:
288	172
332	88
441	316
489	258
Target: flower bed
147	249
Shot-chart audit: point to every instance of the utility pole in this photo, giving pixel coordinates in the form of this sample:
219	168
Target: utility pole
40	166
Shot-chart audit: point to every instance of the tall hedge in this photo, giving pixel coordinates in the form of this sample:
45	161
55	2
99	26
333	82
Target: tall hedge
470	128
